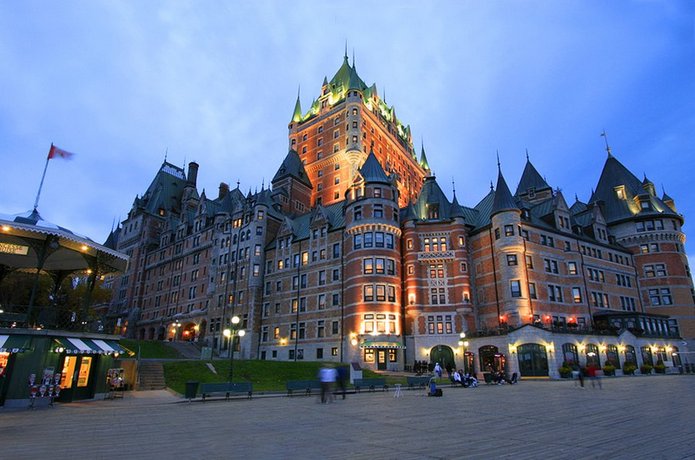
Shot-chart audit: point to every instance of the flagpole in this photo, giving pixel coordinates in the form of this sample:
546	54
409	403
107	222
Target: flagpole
43	176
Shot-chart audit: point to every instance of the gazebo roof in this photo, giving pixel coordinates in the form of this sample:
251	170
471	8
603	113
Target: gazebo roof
24	237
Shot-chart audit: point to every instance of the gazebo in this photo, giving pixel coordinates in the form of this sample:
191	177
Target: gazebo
46	353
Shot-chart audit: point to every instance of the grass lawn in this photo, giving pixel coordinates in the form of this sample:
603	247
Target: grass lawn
150	349
265	375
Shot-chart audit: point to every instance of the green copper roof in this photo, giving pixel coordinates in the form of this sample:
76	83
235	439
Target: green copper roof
616	178
504	201
530	179
371	170
297	115
292	167
423	159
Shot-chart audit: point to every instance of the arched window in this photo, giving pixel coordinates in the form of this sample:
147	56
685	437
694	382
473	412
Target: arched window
592	356
569	353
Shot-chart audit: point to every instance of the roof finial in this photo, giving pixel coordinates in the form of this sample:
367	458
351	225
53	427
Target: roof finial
345	56
453	186
527	155
499	166
608	148
166	153
262	184
576	198
353	58
492	187
238	183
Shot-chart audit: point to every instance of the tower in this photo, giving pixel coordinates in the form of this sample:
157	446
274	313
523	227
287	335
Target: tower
347	121
372	296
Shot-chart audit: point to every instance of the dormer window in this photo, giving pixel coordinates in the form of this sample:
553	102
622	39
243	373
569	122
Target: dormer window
433	211
620	192
532	192
645	204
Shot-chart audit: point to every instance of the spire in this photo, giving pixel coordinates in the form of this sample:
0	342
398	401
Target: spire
353	58
530	179
504	201
608	148
423	159
371	170
345	55
456	210
297	115
292	167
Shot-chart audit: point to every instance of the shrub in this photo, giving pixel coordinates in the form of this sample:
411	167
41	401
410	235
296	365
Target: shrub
646	369
660	367
609	369
565	371
629	368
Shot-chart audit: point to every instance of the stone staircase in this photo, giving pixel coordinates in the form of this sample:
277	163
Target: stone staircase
151	376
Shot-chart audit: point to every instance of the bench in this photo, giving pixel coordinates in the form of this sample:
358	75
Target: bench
370	383
226	388
302	385
420	380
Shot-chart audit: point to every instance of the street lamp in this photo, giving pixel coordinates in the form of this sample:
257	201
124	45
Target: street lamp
175	329
230	333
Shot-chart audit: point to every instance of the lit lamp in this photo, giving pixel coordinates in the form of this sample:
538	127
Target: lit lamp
230	333
175	328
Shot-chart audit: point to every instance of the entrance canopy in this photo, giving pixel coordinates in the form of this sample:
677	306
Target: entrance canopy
382	342
28	242
14	343
76	346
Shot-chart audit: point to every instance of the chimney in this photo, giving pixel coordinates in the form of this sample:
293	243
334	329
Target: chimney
192	173
224	190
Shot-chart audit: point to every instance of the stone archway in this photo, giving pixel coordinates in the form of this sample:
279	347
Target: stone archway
443	355
533	360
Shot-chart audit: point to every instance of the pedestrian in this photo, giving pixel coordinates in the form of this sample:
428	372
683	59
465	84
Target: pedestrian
592	372
342	379
327	376
438	370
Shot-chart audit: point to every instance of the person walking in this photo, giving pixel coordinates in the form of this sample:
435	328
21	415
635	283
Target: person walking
342	379
327	376
438	370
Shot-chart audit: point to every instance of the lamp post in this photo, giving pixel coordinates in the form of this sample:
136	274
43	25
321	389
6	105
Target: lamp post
175	329
230	333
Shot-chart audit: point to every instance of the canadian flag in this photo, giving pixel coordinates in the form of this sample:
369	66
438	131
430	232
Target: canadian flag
60	153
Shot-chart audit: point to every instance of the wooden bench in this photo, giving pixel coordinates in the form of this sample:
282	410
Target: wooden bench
226	388
370	383
302	385
419	380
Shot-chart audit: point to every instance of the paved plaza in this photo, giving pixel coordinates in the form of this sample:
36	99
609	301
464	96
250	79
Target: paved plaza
631	417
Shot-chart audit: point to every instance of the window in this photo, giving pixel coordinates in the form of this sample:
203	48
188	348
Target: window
660	296
368	266
276	333
336	250
550	266
577	295
508	230
357	241
369	293
515	286
572	268
378	211
511	259
547	241
380	265
368	240
554	293
532	290
379	239
335	300
322	277
389	241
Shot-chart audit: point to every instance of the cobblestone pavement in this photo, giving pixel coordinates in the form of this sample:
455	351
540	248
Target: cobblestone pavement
631	417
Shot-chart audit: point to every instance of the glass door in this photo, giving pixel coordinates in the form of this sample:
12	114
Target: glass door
381	360
76	379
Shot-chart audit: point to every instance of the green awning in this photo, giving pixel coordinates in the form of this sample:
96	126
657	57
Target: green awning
14	343
383	343
79	346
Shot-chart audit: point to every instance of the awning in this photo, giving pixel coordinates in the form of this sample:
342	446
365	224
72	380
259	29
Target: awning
75	346
383	343
14	343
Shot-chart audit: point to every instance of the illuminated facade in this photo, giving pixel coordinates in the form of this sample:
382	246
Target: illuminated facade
355	254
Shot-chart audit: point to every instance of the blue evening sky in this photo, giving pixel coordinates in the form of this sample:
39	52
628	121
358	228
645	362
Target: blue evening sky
120	82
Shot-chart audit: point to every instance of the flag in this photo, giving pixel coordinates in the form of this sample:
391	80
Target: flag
60	153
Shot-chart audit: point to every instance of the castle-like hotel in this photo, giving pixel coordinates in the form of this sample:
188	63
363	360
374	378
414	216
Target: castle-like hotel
355	254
